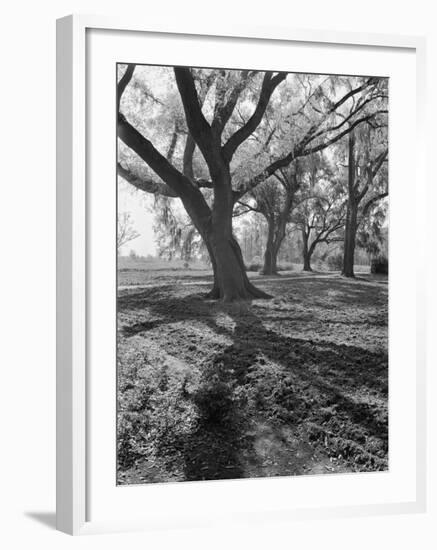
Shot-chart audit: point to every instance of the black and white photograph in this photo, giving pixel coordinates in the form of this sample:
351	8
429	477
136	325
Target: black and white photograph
218	284
252	273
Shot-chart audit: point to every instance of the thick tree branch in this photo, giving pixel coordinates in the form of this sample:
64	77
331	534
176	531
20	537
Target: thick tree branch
249	207
297	153
147	152
312	130
266	173
378	162
197	124
371	172
344	121
337	137
190	146
203	183
175	180
269	85
145	183
371	202
369	82
223	110
172	147
124	81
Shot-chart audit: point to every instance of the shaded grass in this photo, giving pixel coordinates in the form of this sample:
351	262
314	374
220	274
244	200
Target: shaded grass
293	385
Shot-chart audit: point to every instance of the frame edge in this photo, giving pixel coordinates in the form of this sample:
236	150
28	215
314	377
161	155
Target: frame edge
71	512
70	280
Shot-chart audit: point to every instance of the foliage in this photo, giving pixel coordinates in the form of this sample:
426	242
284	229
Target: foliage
125	230
372	236
379	265
255	264
335	261
175	235
320	214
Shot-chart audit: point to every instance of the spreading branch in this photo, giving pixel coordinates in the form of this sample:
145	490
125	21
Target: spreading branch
149	154
190	144
224	109
145	183
301	149
269	85
180	185
372	201
197	124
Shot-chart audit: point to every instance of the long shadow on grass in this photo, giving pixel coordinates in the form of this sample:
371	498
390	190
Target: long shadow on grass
337	371
213	450
304	383
295	381
330	292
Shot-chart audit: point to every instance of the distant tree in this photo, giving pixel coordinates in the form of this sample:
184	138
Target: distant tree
251	235
274	200
312	106
366	184
321	212
125	230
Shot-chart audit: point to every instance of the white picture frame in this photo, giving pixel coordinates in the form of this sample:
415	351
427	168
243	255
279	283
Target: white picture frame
72	475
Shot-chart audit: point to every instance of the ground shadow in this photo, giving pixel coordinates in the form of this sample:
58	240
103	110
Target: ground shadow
214	450
329	395
45	518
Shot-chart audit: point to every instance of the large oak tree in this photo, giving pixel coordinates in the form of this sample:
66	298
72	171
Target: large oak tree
218	138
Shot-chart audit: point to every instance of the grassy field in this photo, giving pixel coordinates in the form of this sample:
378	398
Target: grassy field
145	271
293	385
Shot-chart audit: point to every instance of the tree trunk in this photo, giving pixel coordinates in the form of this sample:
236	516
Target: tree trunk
270	260
271	251
232	283
350	229
307	262
214	293
306	253
350	239
230	279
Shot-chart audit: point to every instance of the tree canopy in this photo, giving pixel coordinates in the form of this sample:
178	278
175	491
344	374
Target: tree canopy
233	141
